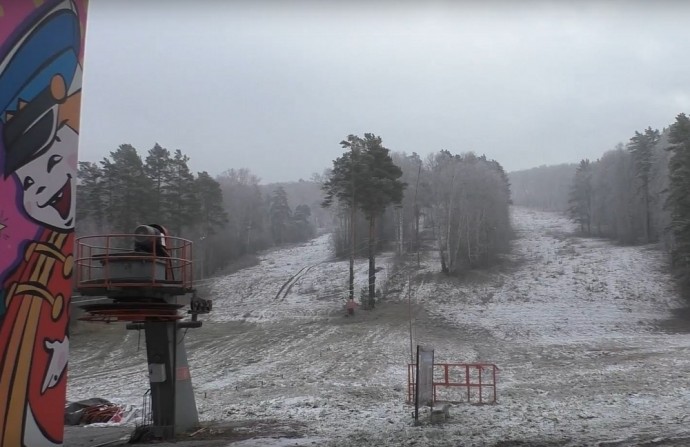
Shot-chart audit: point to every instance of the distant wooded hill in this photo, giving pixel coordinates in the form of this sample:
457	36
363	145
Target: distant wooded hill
544	187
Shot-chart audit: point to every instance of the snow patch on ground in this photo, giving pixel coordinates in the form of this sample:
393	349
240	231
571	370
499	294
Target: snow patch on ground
574	325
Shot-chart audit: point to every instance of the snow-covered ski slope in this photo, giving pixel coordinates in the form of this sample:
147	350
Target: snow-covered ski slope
584	333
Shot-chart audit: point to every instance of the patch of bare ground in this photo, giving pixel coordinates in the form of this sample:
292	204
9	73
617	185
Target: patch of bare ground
677	323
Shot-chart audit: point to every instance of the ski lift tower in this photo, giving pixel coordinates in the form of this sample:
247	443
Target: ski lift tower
147	278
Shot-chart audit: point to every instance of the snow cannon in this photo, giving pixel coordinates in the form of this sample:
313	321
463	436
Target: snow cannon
151	239
145	279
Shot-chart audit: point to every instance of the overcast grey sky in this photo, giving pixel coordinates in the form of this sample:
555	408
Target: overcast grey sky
274	87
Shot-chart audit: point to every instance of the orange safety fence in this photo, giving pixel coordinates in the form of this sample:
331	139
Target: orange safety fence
475	380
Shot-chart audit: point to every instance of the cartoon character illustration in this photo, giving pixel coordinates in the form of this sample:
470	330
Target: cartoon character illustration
58	362
40	127
39	138
40	96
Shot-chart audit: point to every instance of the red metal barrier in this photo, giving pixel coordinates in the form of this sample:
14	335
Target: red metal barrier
444	374
97	254
136	271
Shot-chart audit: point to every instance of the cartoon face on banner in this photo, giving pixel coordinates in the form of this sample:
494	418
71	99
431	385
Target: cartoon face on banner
47	181
40	115
41	54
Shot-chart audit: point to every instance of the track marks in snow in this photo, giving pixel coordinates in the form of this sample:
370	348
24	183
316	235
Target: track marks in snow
290	283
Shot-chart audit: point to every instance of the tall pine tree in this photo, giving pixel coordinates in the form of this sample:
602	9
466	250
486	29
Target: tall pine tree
678	201
641	146
128	188
212	215
366	171
280	215
91	201
180	197
581	195
158	168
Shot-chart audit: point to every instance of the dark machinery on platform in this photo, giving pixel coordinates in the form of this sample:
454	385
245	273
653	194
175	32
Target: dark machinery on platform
148	278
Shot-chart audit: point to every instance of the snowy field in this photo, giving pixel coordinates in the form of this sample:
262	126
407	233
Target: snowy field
583	332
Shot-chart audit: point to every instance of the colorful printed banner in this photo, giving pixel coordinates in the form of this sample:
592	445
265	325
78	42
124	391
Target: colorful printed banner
41	56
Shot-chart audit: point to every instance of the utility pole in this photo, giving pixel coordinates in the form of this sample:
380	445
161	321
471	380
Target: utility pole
409	309
416	213
401	231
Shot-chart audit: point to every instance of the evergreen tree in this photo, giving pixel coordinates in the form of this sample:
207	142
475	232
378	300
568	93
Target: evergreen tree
124	192
678	200
212	215
212	218
302	212
371	176
183	206
382	189
302	227
280	215
91	194
341	187
128	189
641	147
158	169
581	197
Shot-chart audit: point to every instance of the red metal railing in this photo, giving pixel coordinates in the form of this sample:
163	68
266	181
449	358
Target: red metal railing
471	376
96	256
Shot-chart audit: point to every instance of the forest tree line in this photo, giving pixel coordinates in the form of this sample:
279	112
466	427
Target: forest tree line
622	195
545	187
229	218
455	204
636	193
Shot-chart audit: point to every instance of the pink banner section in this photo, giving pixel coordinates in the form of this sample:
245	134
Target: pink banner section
41	62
